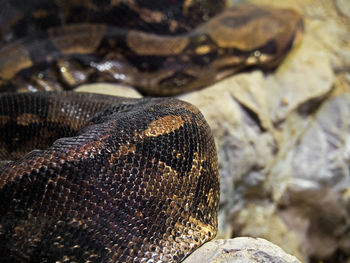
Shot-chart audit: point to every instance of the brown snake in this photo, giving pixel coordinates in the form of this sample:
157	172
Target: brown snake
62	54
112	179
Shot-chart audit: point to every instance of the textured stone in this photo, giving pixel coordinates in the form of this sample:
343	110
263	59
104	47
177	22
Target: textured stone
319	185
240	250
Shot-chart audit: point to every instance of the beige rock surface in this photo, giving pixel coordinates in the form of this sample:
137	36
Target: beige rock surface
240	250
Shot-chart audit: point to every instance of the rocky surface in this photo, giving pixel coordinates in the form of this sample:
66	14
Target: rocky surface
283	141
240	250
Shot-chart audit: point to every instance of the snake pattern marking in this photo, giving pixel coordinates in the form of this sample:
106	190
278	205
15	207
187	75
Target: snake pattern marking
112	179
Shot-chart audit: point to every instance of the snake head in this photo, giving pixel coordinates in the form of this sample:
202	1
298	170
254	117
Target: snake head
247	35
278	36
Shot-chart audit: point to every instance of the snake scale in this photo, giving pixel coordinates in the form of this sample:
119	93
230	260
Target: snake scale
96	178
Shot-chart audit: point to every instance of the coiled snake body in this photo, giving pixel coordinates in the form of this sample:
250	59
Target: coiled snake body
113	179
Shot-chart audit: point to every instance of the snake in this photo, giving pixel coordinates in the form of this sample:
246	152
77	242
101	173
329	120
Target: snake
96	178
170	49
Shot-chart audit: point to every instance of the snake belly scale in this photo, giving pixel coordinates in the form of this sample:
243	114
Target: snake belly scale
94	178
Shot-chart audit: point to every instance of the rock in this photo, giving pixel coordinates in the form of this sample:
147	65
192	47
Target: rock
240	250
318	192
109	89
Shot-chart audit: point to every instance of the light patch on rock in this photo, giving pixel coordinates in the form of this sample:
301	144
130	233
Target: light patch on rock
240	250
109	89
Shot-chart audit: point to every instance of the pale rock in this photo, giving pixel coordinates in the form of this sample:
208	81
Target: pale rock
240	250
109	89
